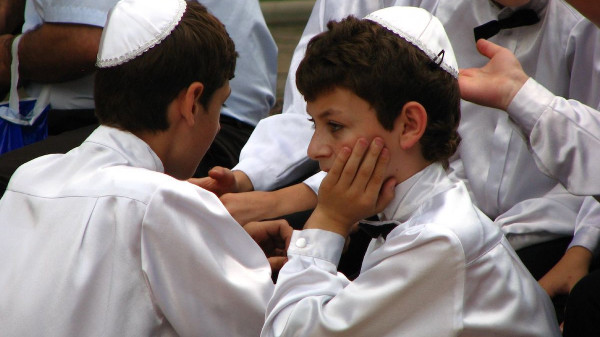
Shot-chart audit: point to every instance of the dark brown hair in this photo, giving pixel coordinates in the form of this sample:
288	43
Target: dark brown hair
134	96
386	71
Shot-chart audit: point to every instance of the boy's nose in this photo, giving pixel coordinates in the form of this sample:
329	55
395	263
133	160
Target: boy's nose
317	149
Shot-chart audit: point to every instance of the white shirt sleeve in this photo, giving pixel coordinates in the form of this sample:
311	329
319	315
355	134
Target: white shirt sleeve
204	271
587	227
311	299
564	136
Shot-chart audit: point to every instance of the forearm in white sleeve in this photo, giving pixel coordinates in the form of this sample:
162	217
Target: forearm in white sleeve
564	136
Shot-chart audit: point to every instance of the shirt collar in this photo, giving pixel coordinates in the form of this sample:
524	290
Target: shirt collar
134	150
538	6
413	192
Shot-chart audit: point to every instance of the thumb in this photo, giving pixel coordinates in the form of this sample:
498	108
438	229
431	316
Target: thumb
487	48
277	262
216	172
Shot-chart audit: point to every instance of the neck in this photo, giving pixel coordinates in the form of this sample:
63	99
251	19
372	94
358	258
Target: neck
406	167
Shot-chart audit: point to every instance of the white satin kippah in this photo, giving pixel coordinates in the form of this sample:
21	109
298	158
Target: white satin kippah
421	29
135	26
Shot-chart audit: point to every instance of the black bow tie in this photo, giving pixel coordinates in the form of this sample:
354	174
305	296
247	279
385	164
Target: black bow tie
376	229
522	17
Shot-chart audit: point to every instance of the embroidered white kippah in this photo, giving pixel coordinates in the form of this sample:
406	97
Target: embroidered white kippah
421	29
135	26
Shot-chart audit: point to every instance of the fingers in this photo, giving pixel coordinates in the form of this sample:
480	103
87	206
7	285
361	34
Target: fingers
357	167
487	48
354	162
277	262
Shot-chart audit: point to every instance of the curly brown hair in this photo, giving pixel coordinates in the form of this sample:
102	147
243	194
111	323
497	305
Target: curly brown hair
386	71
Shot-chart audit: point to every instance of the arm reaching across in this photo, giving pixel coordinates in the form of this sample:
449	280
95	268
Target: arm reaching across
261	205
222	180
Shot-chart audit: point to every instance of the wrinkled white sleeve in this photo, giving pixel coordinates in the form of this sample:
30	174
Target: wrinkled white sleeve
206	275
587	227
311	299
564	136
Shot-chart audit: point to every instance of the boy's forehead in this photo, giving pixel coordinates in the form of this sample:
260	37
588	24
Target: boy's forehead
338	101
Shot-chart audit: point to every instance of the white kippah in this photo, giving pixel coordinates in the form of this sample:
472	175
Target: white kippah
421	29
135	26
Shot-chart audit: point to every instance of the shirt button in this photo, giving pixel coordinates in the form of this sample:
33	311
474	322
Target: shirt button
301	243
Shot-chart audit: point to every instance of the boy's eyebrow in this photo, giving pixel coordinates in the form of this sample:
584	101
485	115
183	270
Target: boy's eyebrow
325	113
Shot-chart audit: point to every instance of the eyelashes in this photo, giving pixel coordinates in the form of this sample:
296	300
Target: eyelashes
333	126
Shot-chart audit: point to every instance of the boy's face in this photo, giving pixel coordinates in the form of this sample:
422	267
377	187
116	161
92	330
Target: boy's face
340	117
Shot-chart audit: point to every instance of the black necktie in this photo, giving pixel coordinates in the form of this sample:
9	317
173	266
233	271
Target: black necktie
383	228
522	17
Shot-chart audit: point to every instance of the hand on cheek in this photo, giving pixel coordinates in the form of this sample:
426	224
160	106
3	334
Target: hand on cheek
354	188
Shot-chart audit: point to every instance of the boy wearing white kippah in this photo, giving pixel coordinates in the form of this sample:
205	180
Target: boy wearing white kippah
383	95
107	239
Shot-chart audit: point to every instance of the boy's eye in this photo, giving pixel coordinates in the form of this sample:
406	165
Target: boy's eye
333	126
312	120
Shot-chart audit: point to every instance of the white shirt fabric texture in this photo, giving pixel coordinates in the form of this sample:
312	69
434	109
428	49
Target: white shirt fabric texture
445	270
252	88
564	136
99	241
562	52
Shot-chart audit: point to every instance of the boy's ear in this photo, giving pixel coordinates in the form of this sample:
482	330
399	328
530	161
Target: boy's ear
411	124
190	105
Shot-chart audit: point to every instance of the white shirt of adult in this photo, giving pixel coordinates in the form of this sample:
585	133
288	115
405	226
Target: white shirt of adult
99	241
445	270
252	88
501	173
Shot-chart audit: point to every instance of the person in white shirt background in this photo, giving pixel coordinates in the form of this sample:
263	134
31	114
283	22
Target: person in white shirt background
535	211
441	268
109	238
564	136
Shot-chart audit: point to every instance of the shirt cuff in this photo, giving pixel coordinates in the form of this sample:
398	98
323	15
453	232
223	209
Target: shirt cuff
314	181
528	105
318	244
587	237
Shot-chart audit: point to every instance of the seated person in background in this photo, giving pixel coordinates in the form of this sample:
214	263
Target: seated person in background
437	266
108	237
253	87
564	136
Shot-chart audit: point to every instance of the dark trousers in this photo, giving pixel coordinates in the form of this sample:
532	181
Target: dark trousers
582	315
224	151
540	258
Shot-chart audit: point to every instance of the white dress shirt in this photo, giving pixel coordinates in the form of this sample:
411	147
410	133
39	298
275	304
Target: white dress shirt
252	88
99	241
445	270
562	52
